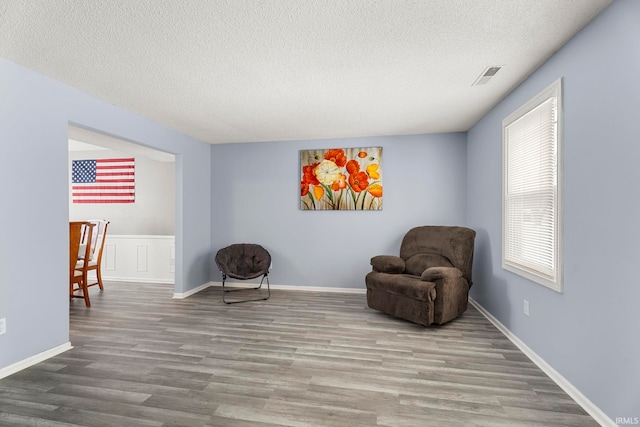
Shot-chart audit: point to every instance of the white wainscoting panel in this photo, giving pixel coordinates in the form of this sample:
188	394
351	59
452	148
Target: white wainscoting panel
108	257
172	258
143	251
139	258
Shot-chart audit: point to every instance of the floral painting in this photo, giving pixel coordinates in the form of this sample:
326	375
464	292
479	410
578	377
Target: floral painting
341	179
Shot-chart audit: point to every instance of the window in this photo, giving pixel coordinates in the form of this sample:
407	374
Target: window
531	138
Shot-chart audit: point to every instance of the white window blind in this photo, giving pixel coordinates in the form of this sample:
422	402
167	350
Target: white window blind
531	202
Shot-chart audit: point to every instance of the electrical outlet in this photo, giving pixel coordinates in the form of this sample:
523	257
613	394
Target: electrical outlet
526	307
3	326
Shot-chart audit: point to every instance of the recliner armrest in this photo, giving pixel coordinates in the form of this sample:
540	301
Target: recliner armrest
387	264
435	273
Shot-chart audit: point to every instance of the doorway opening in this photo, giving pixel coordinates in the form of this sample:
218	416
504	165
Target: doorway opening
140	242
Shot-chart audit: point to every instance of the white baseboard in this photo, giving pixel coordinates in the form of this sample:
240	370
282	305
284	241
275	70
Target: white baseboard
181	295
30	361
274	287
296	288
562	382
136	280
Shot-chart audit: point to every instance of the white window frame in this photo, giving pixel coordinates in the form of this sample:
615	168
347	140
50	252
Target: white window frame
532	229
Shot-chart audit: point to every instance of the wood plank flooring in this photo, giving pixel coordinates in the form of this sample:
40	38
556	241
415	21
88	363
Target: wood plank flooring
141	358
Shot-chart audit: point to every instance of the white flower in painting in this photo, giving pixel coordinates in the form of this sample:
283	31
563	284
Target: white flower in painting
327	172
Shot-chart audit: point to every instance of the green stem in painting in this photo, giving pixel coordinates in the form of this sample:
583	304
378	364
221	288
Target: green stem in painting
313	202
329	192
353	195
339	200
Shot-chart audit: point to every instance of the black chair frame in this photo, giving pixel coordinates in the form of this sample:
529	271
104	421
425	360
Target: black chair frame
228	290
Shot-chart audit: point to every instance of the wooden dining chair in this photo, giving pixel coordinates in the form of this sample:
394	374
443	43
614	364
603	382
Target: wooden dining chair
75	236
95	256
79	252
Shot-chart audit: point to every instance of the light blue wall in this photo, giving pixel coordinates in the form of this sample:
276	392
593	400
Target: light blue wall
34	115
256	196
589	334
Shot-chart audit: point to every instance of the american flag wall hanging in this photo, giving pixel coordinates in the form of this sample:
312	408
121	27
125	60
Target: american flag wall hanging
103	181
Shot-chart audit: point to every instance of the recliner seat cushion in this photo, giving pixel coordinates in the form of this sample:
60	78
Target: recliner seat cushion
435	273
402	284
418	263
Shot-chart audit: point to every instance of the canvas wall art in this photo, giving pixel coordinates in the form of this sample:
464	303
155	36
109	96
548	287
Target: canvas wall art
341	179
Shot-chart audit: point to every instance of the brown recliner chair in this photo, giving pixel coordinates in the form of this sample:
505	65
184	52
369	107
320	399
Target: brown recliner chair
429	282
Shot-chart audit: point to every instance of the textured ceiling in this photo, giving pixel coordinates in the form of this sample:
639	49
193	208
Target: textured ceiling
250	70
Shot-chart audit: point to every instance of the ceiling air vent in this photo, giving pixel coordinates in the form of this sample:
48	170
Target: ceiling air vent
486	75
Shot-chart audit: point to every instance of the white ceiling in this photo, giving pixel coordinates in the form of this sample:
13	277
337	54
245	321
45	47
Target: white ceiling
264	70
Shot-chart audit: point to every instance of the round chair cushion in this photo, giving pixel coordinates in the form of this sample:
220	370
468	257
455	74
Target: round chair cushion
243	260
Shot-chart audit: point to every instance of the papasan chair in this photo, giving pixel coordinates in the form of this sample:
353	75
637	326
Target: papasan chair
244	261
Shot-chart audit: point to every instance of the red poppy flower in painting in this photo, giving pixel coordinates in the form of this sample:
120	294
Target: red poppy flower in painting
359	181
337	156
304	189
308	174
353	166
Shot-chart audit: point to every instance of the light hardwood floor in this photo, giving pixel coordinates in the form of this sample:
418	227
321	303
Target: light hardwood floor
141	358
